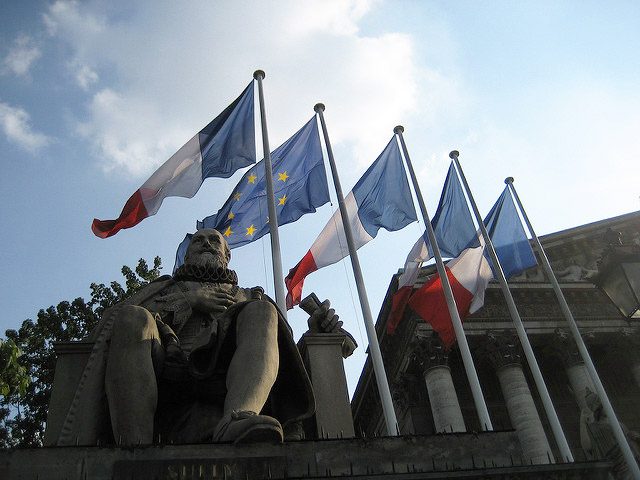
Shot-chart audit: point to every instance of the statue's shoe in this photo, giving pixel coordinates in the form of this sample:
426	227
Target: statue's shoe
248	427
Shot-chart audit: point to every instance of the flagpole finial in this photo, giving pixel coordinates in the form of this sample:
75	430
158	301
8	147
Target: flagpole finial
454	154
318	107
398	130
258	74
508	180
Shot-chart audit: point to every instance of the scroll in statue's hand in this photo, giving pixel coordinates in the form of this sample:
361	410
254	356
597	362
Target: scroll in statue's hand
324	319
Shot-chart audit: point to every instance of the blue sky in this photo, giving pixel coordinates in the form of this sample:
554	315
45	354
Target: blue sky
95	95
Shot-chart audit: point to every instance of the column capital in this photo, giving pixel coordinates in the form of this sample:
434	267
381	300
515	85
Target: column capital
428	353
502	348
402	391
564	346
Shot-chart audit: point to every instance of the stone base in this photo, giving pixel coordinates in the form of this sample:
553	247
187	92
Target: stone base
457	455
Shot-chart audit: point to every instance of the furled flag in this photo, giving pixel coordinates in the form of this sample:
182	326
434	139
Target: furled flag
470	273
218	150
381	198
300	186
453	228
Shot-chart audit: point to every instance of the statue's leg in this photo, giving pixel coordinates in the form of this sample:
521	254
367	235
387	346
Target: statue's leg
130	380
251	374
254	366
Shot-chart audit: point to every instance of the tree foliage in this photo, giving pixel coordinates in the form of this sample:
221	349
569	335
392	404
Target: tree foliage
29	376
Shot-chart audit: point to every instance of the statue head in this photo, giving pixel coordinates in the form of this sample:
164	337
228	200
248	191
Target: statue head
208	248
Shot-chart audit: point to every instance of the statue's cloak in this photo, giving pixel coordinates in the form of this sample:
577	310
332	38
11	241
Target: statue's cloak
291	398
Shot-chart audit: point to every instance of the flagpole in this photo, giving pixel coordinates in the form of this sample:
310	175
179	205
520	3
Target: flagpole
467	359
374	346
552	416
276	259
582	348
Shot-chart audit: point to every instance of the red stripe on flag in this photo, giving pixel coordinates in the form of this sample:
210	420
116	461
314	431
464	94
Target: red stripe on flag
398	305
133	213
295	279
430	304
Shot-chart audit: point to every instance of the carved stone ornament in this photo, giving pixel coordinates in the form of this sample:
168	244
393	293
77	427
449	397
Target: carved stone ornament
565	348
502	348
429	352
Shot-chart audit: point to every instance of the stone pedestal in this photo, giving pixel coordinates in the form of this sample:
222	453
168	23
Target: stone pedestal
71	360
470	456
505	356
322	355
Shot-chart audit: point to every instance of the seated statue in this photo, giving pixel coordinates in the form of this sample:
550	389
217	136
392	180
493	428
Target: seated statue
191	358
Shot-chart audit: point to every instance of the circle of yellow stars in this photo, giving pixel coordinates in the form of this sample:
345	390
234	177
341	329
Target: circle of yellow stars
250	230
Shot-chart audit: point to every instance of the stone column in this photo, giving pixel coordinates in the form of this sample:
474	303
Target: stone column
432	357
577	372
579	379
504	353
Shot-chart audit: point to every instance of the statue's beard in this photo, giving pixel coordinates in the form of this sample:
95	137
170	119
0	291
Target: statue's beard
207	261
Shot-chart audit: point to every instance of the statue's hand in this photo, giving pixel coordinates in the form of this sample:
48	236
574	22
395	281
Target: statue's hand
324	319
206	300
210	300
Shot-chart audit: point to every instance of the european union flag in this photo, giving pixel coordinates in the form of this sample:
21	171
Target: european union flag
299	185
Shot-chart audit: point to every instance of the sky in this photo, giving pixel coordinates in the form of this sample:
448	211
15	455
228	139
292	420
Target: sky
94	96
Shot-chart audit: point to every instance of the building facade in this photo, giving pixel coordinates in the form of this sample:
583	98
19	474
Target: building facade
429	385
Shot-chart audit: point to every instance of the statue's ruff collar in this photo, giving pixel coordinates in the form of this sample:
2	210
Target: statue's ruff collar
199	273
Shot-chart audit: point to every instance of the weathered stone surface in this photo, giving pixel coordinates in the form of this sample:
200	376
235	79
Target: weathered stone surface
188	358
322	356
485	455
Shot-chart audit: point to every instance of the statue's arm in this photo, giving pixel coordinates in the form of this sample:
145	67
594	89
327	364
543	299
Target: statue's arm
323	319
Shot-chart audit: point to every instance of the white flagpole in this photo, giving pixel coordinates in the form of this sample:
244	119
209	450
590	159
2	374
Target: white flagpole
374	346
276	260
582	348
467	359
552	416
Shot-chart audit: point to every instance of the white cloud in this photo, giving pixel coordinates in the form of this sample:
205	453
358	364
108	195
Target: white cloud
172	68
15	125
85	76
66	18
21	56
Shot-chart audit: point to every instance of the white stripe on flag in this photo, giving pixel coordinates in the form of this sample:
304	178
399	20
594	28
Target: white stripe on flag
331	245
180	176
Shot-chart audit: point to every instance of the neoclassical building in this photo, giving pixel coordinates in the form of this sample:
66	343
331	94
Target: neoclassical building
429	386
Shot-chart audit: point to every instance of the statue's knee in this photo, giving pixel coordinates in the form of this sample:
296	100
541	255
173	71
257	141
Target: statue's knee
260	314
134	323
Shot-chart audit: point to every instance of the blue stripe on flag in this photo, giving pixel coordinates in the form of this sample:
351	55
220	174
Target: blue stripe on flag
228	142
382	194
508	236
452	222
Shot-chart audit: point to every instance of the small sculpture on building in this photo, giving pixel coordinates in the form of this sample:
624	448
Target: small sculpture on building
601	442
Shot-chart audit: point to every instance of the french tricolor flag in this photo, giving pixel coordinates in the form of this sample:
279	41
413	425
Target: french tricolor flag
454	230
218	150
470	273
380	199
